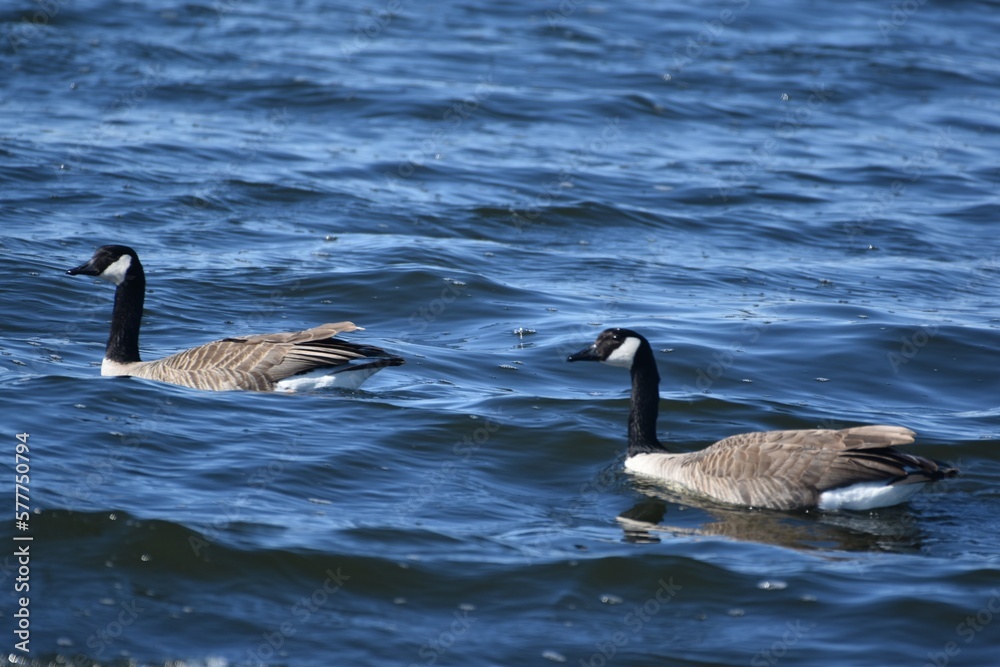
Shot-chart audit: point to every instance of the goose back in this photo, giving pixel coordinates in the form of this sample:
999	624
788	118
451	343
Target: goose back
313	358
794	469
260	362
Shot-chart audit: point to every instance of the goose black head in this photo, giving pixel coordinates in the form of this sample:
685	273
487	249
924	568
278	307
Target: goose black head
616	347
110	262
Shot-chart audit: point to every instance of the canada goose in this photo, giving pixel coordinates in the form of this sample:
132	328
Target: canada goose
854	468
310	359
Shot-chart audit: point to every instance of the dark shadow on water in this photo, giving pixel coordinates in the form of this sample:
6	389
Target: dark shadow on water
665	513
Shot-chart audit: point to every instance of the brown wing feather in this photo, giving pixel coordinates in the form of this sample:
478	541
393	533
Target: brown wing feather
316	333
792	468
258	362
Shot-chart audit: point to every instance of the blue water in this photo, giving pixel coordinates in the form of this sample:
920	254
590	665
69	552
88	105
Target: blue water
796	203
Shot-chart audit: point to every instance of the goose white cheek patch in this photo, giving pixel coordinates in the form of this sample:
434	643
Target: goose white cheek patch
625	353
115	273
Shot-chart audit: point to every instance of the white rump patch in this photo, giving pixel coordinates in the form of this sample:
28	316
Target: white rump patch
347	377
115	273
625	353
867	496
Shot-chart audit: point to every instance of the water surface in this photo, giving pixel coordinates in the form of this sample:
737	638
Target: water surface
795	204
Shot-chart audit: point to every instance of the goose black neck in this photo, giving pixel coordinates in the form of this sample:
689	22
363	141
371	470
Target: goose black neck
645	403
126	318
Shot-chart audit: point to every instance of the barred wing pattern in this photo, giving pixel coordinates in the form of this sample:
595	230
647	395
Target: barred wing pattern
259	362
791	469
